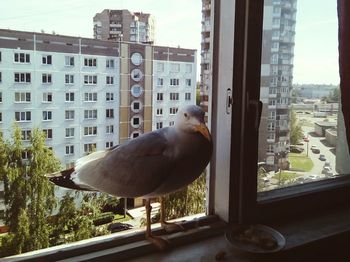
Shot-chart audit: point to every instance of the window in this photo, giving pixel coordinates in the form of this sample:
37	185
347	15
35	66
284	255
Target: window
23	116
90	97
21	58
47	115
109	63
69	79
187	96
70	97
109	129
136	121
159	112
70	150
48	133
90	114
0	97
159	125
171	123
188	82
69	115
46	78
22	77
173	110
109	144
26	155
47	60
135	134
160	81
0	77
47	97
160	67
174	96
22	97
91	62
159	96
136	74
136	106
174	81
90	147
69	60
109	96
188	68
109	113
136	90
109	80
90	131
90	79
69	132
25	135
174	67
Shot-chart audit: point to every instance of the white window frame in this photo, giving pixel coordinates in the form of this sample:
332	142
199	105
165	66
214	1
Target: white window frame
46	78
69	150
109	96
21	57
23	77
110	129
69	79
90	62
90	97
90	114
69	114
23	97
69	132
70	96
48	133
47	97
173	110
90	131
109	80
23	116
47	115
110	63
69	61
90	79
109	113
46	60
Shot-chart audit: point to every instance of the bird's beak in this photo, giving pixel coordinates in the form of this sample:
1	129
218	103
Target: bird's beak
202	128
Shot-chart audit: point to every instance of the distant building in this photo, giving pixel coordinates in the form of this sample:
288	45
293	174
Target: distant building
314	91
124	25
321	127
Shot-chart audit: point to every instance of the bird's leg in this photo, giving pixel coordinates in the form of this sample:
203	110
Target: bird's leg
168	227
161	243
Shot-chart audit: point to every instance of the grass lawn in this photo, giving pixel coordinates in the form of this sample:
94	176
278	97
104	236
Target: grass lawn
285	175
120	218
300	161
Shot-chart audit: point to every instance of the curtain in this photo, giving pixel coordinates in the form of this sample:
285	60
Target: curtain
344	61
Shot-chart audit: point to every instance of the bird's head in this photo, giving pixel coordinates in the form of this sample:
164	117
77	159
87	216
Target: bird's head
191	119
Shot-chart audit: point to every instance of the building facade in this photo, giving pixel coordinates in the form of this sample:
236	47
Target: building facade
124	25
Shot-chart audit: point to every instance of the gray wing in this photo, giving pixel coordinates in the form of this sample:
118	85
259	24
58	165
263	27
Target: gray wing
137	167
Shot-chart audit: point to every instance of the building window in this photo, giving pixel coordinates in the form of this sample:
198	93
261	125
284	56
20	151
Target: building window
174	96
47	97
136	106
0	77
47	115
48	133
110	63
26	155
187	96
160	82
171	123
174	81
21	58
188	82
91	62
90	79
188	68
69	132
136	74
136	90
90	114
25	135
69	79
70	150
159	96
109	96
22	77
159	112
109	80
90	97
22	97
70	97
136	59
90	131
69	61
159	125
109	129
160	67
109	144
0	97
136	121
46	78
135	134
109	113
69	115
47	60
173	110
90	147
174	67
23	116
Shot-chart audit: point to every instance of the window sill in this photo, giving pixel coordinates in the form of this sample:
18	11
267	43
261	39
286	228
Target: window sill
322	235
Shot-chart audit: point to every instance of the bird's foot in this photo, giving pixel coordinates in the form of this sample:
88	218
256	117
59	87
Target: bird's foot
172	227
159	242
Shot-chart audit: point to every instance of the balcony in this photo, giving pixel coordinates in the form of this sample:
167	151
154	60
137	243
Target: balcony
270	140
271	106
273	95
282	106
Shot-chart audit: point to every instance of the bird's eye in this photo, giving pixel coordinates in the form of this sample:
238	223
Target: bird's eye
185	114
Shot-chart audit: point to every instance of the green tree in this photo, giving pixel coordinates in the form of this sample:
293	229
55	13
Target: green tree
296	132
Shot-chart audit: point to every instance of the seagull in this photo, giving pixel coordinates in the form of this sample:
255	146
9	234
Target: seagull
149	166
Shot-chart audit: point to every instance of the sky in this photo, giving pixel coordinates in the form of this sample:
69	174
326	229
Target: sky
178	23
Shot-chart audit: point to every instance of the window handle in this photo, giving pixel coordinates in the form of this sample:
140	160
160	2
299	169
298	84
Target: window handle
257	111
228	101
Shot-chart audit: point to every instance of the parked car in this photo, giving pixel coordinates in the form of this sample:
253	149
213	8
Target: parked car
306	139
327	171
313	177
295	149
117	227
315	150
322	157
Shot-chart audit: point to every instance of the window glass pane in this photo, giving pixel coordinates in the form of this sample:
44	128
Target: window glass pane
301	136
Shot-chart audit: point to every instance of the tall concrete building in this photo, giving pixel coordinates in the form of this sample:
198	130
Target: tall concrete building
276	81
124	25
89	94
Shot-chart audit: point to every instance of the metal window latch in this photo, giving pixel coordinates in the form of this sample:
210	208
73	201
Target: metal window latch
228	101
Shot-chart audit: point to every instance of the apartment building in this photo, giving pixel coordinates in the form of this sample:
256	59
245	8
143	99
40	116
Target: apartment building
124	25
